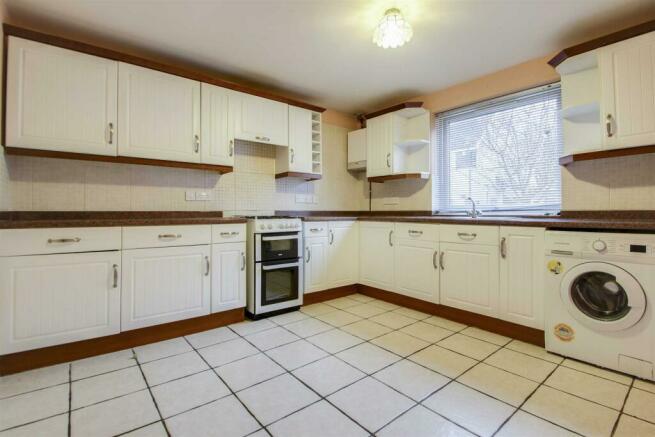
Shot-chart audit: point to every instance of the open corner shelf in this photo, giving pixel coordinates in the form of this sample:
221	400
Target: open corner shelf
391	177
585	113
603	154
419	142
299	175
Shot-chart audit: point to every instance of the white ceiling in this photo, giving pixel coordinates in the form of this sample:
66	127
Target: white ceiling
321	50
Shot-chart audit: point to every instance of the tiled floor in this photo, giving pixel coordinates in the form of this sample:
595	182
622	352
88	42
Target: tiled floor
349	367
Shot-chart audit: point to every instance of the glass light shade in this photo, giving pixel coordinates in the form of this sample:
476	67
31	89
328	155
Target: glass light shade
392	30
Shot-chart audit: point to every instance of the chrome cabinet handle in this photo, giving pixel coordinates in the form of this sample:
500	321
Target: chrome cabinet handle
110	129
434	259
608	126
196	141
503	247
206	266
263	138
390	235
293	155
64	240
413	232
316	229
309	255
388	160
231	153
441	264
331	236
467	235
115	267
243	261
174	236
229	234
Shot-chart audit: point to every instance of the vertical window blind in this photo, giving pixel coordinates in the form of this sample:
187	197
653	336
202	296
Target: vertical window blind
502	153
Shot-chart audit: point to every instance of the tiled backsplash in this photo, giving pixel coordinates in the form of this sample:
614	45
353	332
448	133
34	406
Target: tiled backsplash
42	184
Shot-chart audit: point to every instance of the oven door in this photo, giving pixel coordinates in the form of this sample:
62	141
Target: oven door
278	246
278	285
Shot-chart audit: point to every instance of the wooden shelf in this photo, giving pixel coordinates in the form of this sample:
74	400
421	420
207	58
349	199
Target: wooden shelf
587	113
116	159
412	143
296	174
604	154
383	179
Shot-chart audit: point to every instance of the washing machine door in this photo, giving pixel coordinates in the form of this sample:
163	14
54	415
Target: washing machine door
602	296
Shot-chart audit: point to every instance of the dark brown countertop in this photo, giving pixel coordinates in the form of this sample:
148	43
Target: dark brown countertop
80	219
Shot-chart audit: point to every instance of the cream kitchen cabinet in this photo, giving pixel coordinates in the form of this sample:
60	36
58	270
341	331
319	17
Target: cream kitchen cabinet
158	115
316	264
379	146
258	119
215	145
416	269
60	100
376	255
331	254
628	92
228	276
521	275
298	156
165	284
469	277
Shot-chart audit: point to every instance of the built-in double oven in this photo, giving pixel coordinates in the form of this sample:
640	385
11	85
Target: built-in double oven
278	272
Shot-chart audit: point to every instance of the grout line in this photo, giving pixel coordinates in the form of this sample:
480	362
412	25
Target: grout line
136	358
625	400
70	396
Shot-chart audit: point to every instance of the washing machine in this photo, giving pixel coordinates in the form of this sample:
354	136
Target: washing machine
599	297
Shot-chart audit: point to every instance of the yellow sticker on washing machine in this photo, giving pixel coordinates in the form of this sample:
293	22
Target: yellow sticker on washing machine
555	266
564	332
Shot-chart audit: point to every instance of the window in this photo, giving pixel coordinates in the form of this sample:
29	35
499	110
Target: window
502	153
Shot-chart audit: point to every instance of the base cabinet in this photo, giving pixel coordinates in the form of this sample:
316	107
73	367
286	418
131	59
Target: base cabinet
376	260
164	285
47	300
228	275
469	277
416	269
316	264
521	275
343	253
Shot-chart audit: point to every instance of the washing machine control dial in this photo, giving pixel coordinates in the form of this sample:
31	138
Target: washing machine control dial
599	246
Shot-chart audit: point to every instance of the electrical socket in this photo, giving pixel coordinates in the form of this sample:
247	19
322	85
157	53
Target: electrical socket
189	196
204	195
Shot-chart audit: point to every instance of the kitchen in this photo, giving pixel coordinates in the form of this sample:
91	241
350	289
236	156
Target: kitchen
191	248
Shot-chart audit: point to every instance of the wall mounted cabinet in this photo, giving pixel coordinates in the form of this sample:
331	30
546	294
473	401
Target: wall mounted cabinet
216	146
357	149
260	120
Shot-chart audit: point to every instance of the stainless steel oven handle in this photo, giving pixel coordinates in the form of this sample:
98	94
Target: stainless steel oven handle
280	266
281	237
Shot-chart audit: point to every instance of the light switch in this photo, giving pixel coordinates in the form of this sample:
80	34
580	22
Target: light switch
190	195
204	195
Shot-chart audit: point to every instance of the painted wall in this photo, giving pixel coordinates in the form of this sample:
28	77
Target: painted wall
4	173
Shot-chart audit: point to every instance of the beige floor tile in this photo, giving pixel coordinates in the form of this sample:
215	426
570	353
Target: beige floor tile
174	367
226	352
469	408
442	360
521	364
631	427
34	405
499	384
338	318
571	412
296	354
328	375
162	349
410	379
319	419
286	318
445	323
385	305
427	332
106	386
367	357
153	430
418	315
641	404
534	351
644	385
361	298
471	347
192	391
600	390
334	341
23	382
248	371
365	329
317	309
400	343
481	334
523	424
53	427
307	327
342	302
248	327
102	364
271	338
393	320
213	336
365	310
421	422
598	371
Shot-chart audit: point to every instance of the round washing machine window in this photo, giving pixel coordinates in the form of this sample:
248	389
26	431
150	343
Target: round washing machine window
603	296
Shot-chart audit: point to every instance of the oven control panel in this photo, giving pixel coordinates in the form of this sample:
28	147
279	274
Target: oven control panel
266	225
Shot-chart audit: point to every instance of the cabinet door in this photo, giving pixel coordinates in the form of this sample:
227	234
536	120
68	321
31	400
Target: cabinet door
60	100
257	119
343	253
316	264
215	145
376	254
158	114
628	92
300	140
164	285
52	299
416	269
379	136
469	277
521	275
228	276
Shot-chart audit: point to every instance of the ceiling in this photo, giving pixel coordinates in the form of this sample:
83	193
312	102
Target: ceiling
321	50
